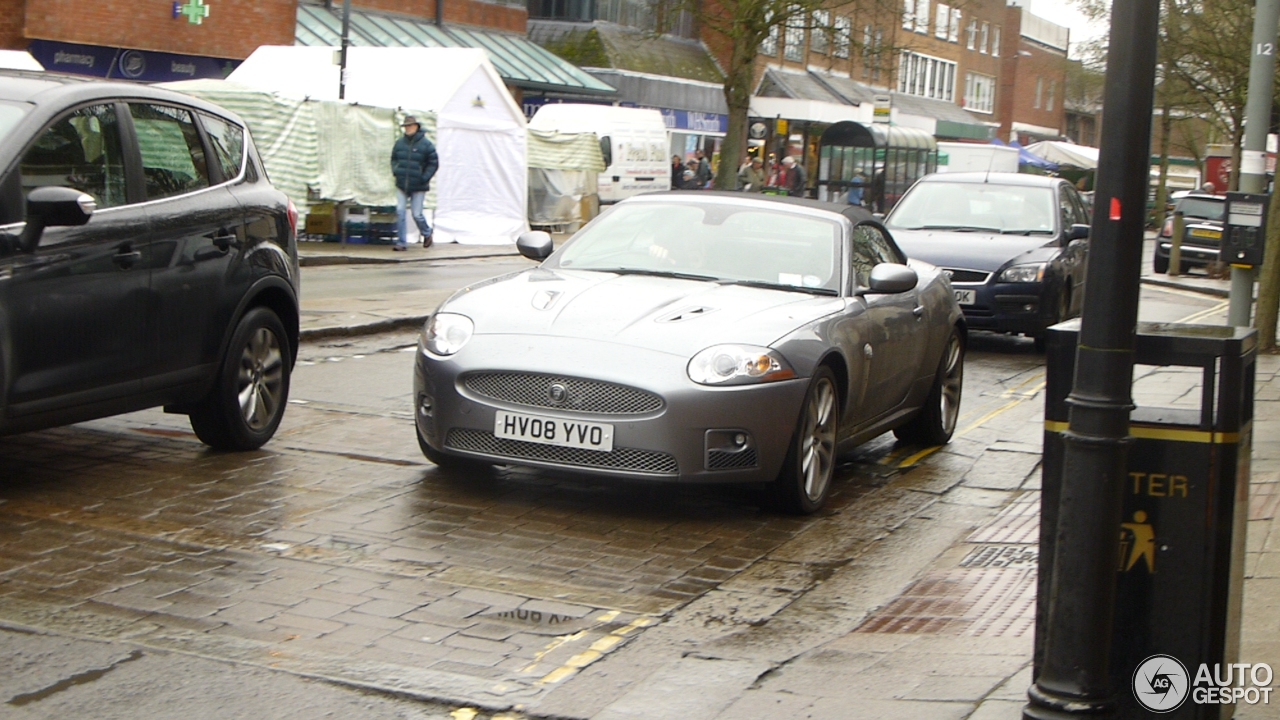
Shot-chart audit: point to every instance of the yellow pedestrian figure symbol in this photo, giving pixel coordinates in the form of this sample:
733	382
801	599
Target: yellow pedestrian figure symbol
1137	542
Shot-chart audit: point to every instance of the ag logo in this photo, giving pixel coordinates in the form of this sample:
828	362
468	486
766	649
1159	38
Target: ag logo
1161	683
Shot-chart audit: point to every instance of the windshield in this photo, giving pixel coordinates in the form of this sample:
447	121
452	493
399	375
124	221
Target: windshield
720	242
1200	207
977	207
10	114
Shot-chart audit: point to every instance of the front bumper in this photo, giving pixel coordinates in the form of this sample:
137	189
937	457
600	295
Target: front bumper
1009	307
683	440
1198	255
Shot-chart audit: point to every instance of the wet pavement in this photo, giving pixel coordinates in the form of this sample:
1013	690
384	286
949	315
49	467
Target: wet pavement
339	555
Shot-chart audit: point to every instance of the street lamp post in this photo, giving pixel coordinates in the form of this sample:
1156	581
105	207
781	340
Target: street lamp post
1073	679
342	54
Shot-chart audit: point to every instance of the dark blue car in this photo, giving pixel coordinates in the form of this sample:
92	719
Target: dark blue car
1013	244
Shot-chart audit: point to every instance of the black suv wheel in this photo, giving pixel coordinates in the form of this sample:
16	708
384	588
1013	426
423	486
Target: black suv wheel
244	408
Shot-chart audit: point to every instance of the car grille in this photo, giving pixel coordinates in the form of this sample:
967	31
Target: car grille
967	276
628	459
726	460
584	396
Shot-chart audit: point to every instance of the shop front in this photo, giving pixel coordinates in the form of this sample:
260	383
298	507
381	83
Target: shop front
127	63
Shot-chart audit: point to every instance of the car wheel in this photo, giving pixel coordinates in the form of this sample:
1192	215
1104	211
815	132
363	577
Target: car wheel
248	400
805	481
444	461
1160	264
936	421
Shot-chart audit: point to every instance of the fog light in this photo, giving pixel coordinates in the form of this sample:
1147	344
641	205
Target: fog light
424	406
729	450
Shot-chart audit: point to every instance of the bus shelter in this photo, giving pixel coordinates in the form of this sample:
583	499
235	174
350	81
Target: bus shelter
881	160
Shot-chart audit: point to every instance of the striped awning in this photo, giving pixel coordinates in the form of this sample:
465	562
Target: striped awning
519	61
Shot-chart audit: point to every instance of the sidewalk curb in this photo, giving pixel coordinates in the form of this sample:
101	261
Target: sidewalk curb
326	260
1215	292
416	321
373	328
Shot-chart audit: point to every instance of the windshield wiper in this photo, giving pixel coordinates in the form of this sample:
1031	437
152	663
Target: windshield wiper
654	273
957	228
1025	232
779	286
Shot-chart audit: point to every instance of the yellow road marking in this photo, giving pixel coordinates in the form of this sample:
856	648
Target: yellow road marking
919	456
1205	313
597	650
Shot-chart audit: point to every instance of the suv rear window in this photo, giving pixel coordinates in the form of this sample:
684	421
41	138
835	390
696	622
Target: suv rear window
1202	207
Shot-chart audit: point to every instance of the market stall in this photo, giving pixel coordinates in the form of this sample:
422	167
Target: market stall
481	187
562	178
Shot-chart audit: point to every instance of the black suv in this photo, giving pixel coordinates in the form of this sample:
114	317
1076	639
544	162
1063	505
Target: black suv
145	259
1201	235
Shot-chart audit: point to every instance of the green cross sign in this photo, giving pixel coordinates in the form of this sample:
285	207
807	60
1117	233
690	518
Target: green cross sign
196	11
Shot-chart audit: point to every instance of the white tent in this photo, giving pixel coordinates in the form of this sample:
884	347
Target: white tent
1063	153
482	185
18	60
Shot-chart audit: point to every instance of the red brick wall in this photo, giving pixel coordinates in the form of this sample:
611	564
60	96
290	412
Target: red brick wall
11	25
1027	63
462	12
234	28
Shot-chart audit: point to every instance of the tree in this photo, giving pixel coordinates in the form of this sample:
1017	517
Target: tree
744	25
736	30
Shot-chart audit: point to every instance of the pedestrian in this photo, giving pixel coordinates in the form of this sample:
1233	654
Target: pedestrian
751	178
413	163
702	175
677	173
1208	188
857	186
796	179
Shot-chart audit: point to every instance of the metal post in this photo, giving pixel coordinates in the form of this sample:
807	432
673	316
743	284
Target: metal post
1074	677
1253	158
1175	244
346	42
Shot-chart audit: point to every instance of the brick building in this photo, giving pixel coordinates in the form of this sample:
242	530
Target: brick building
162	40
1033	80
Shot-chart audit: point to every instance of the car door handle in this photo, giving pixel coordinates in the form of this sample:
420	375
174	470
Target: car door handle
224	239
918	311
126	256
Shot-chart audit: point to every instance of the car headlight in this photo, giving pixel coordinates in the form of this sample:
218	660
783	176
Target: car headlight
738	365
1023	273
446	333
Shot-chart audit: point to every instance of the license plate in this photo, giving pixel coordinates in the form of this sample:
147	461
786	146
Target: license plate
1196	232
966	297
553	431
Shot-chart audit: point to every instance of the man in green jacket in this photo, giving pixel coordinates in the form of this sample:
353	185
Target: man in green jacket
413	163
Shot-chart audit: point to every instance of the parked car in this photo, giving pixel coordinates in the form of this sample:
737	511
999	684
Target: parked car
696	337
1014	245
1201	235
145	260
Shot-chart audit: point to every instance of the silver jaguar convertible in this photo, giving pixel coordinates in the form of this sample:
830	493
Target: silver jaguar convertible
696	337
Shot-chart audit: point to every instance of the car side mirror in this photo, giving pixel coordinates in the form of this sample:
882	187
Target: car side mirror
54	206
889	278
535	245
1078	231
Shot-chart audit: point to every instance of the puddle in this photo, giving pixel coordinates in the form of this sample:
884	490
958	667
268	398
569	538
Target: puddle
78	679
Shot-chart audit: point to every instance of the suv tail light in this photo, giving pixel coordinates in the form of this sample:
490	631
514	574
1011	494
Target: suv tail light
1167	231
293	220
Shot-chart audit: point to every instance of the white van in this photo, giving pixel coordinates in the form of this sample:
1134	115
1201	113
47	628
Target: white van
976	157
634	143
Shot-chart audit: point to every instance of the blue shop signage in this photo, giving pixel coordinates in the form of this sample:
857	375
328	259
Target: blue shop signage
695	122
127	64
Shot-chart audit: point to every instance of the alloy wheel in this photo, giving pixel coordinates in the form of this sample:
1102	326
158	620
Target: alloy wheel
261	378
818	444
952	380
